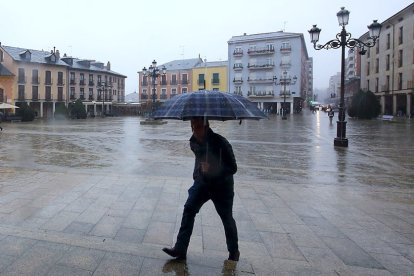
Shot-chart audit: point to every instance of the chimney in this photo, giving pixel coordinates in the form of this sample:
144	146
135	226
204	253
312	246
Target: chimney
57	54
108	66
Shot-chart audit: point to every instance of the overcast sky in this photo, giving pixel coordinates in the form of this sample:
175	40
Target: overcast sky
131	33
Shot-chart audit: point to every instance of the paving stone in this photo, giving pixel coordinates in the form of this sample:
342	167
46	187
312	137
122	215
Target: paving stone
15	246
83	258
281	246
77	227
350	253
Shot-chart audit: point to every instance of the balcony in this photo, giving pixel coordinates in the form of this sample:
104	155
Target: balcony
144	97
285	49
61	82
90	97
238	66
35	96
48	81
21	80
173	82
91	83
285	93
48	96
163	82
72	97
238	93
260	66
200	82
184	82
237	80
144	83
261	94
72	82
82	97
60	97
261	51
82	82
35	80
163	96
285	65
215	81
238	53
260	80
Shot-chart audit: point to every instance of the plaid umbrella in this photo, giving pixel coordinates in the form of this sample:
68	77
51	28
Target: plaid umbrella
213	105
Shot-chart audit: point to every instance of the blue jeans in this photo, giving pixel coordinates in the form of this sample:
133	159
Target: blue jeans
222	197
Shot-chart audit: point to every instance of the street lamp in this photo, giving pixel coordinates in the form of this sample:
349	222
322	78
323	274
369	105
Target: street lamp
343	39
103	87
153	72
285	80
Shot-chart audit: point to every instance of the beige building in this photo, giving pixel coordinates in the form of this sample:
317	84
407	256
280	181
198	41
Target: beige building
44	81
387	69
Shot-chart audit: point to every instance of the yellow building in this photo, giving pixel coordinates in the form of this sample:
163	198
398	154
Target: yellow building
210	76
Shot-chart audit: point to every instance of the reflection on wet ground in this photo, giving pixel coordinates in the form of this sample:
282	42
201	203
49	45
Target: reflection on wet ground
297	150
102	196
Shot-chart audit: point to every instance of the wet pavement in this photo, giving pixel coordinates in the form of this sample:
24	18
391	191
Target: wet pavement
102	197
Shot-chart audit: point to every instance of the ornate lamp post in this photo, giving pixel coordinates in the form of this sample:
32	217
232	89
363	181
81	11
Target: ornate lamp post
285	80
344	39
103	87
154	72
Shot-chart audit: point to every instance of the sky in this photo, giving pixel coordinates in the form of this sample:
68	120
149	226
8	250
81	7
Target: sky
131	33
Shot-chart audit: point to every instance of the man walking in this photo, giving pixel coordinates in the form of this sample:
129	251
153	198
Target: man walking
214	168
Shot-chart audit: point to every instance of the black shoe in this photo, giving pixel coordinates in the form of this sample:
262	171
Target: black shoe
234	256
175	253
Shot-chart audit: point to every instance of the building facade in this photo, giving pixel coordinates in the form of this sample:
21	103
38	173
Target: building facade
177	80
387	69
44	80
210	76
255	61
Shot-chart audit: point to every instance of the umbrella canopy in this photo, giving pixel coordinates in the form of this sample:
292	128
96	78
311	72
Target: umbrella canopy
7	106
213	105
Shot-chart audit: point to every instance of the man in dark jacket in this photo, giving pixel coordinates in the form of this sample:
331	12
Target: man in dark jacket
214	167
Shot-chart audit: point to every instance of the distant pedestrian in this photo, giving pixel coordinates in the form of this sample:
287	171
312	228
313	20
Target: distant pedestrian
214	167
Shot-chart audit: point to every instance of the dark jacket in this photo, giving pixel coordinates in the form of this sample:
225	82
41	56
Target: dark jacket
217	151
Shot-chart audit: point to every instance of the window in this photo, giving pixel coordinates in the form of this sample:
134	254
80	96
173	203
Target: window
35	76
216	78
21	76
368	65
174	91
48	93
367	84
90	79
2	95
82	79
99	79
184	79
48	78
270	47
163	80
387	62
72	93
174	79
400	35
1	56
388	41
60	78
387	84
377	65
82	93
35	93
184	90
201	80
400	81
72	78
60	93
21	92
376	84
400	58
